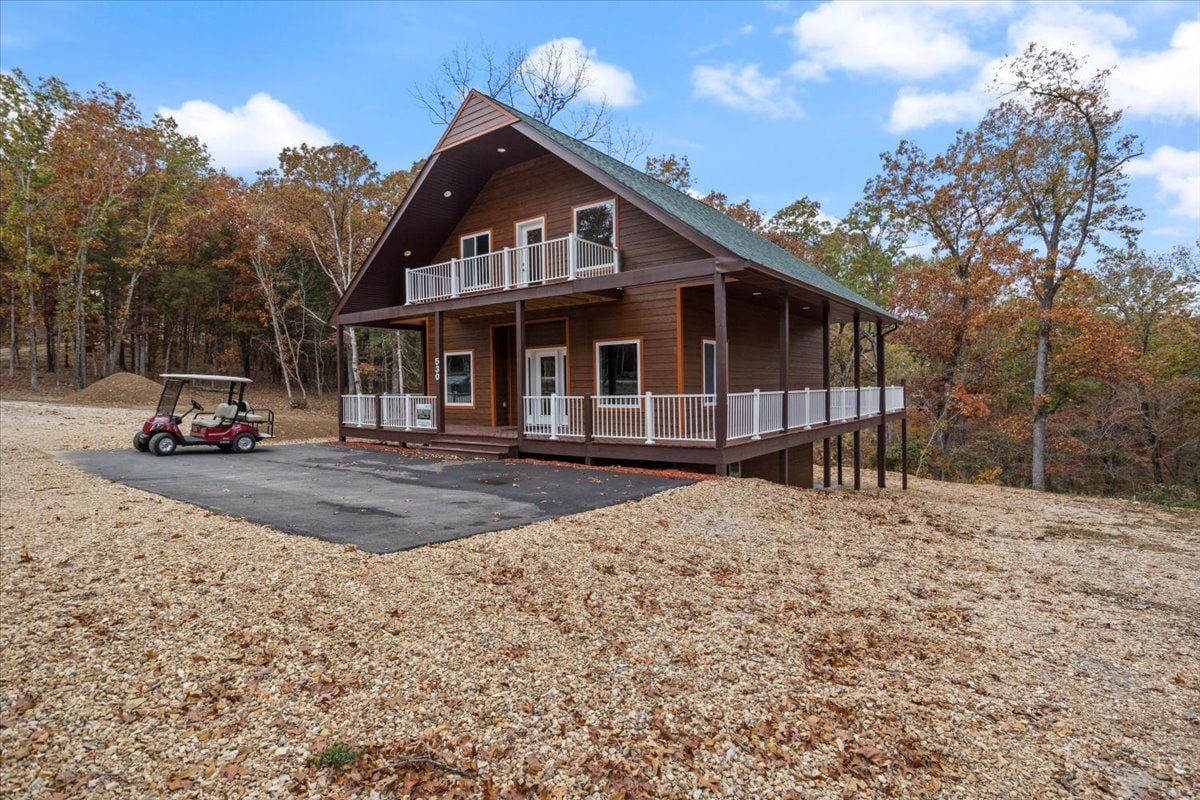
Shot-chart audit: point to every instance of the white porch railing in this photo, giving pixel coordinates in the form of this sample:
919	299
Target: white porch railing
358	410
649	418
408	412
562	259
554	416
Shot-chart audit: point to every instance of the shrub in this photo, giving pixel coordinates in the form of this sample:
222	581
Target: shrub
337	757
1171	496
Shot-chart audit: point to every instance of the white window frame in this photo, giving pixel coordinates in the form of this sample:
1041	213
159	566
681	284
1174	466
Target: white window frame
470	354
605	400
475	271
710	398
611	201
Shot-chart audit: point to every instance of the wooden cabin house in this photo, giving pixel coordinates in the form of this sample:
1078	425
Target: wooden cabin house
571	306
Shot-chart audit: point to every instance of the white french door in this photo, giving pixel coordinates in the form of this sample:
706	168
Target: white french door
545	375
530	259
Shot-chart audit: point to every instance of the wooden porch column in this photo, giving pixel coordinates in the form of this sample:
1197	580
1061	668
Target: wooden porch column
785	361
825	378
904	452
881	443
721	387
520	348
341	377
439	370
857	404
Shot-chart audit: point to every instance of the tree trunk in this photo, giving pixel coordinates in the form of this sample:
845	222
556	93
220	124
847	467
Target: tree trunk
12	330
1041	405
355	377
31	298
80	323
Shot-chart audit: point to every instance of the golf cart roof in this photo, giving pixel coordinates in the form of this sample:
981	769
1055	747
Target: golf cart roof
227	378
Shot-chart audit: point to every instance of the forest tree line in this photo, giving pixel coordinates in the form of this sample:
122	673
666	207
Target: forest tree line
1041	345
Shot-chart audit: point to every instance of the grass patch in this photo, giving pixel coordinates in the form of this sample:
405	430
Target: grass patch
337	757
1084	533
1170	496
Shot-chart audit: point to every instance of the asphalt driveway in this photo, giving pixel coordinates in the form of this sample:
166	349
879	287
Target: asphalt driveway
380	501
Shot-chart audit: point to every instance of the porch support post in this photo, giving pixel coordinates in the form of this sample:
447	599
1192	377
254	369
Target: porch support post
439	370
881	443
785	361
828	394
721	412
341	377
520	347
857	403
904	452
839	458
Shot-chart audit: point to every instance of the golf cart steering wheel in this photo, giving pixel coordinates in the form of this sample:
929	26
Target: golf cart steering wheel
196	406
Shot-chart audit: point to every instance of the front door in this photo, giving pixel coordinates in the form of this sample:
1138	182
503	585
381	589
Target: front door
545	375
530	259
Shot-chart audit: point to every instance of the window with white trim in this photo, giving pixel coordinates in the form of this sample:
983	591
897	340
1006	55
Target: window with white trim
597	223
474	268
460	378
618	372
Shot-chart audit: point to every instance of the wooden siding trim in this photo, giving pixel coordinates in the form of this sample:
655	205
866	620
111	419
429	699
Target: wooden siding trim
476	104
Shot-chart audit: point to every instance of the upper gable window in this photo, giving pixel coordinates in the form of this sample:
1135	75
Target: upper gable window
597	222
477	244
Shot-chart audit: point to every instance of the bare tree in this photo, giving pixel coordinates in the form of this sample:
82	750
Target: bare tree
549	83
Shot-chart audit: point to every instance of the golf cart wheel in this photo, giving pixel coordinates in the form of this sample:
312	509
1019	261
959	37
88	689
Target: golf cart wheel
244	443
163	444
141	442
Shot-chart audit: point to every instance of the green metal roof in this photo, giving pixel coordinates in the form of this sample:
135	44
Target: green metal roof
705	219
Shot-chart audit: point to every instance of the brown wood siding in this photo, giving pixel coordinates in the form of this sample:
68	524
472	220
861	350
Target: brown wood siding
476	118
753	344
800	467
549	187
647	313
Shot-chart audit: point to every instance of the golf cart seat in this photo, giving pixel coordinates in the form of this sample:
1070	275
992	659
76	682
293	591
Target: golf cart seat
223	414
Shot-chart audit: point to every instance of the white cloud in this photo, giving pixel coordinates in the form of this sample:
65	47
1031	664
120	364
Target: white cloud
248	137
1177	173
914	108
900	40
606	82
745	89
1162	83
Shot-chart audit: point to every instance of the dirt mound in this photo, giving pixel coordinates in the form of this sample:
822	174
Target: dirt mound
119	389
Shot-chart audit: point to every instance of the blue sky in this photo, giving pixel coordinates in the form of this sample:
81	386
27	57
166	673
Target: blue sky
770	101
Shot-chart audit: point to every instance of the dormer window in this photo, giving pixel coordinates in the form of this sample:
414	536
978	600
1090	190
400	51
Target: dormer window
597	222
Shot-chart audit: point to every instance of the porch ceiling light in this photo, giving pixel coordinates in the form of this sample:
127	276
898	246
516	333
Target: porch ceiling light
447	193
408	252
756	294
501	149
806	308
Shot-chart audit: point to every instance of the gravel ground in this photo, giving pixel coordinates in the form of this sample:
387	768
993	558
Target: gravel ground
732	638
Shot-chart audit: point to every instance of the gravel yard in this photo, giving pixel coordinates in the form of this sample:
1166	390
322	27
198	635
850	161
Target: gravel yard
726	639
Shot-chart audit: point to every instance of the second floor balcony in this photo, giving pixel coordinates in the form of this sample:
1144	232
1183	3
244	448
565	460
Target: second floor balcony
553	261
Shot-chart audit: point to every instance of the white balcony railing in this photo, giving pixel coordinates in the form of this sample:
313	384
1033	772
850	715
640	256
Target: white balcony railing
555	260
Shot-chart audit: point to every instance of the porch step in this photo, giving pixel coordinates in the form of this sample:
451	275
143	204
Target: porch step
489	447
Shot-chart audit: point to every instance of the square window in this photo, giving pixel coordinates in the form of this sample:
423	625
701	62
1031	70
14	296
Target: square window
597	223
460	379
618	372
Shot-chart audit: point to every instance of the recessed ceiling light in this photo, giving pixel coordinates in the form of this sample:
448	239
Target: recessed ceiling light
408	252
805	308
447	193
756	294
501	149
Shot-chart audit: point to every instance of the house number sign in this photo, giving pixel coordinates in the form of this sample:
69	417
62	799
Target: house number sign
437	370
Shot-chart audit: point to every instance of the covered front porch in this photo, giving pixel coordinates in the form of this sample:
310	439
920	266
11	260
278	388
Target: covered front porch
505	379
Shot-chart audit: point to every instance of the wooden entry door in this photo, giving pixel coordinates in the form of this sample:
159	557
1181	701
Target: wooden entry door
545	375
504	369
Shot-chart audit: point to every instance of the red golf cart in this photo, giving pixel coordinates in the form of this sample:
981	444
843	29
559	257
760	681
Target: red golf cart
232	425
